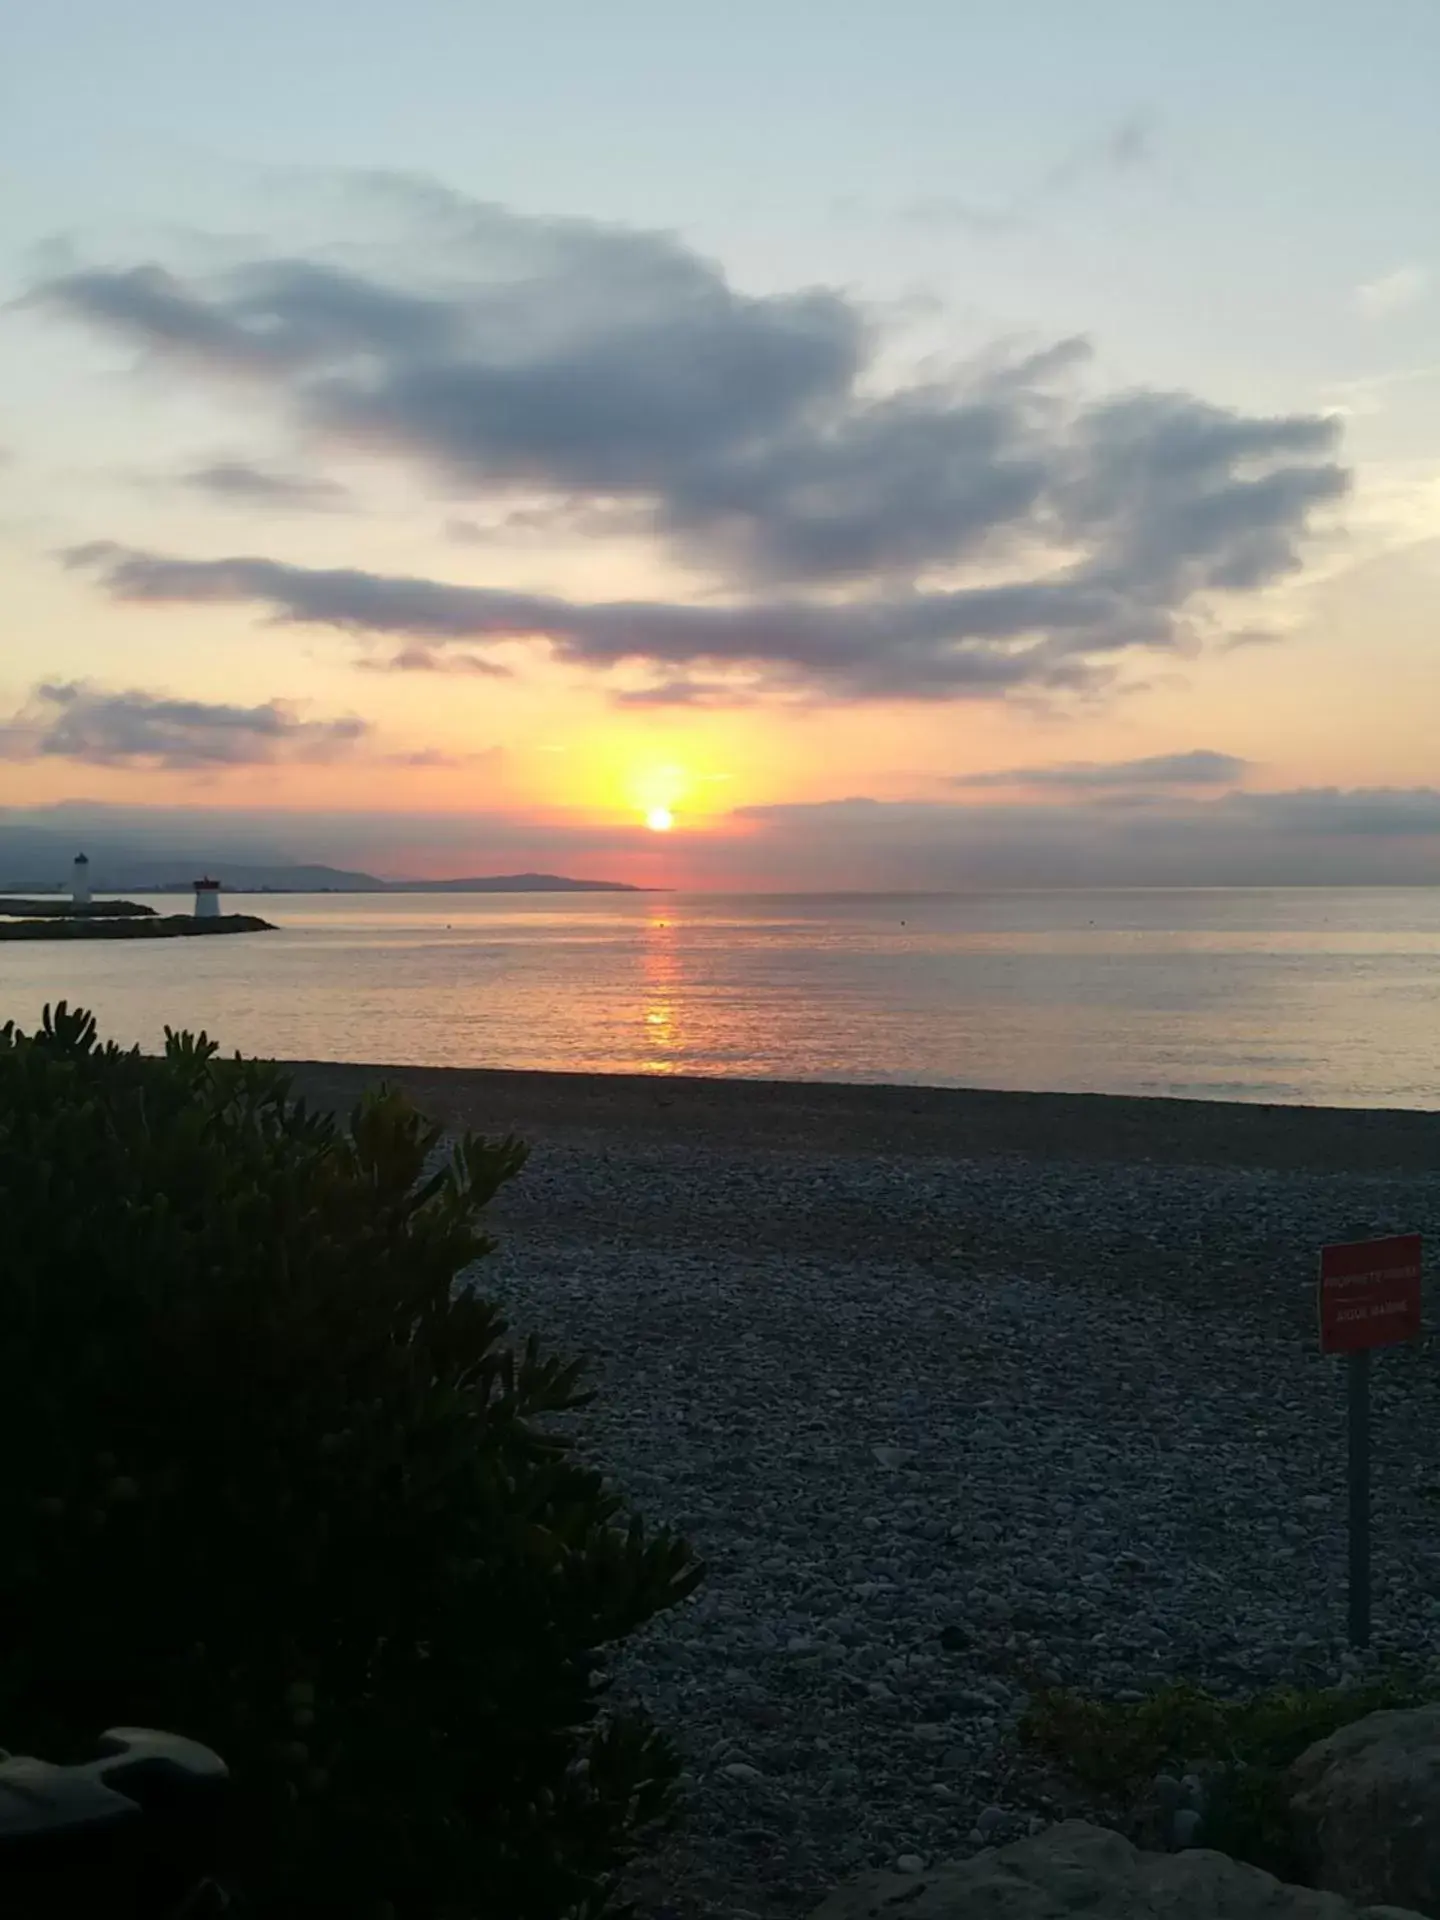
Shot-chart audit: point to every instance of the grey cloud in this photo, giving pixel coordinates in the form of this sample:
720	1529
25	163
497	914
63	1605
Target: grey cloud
556	519
278	317
1331	813
1200	767
150	305
1250	637
622	374
437	757
611	363
420	659
1120	148
684	693
1177	497
1304	837
73	720
893	487
1124	147
245	484
1132	142
979	641
1358	813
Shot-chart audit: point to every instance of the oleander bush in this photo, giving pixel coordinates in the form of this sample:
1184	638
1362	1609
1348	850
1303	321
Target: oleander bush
273	1480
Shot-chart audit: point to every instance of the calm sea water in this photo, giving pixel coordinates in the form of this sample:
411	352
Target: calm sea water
1324	997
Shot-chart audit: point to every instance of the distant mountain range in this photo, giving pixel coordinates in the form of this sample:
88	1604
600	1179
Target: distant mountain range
510	883
338	880
38	860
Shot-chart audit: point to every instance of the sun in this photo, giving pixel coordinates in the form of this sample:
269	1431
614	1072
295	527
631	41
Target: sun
660	819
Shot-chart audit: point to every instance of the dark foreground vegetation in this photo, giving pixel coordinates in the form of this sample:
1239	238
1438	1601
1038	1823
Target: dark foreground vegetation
275	1482
1123	1756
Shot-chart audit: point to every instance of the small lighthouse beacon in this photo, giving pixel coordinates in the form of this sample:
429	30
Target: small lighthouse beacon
207	899
80	881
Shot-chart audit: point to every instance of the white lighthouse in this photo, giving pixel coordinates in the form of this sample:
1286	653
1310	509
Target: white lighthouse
80	881
207	899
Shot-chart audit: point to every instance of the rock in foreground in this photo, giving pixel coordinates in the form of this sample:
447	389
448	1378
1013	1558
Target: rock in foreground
1079	1869
1366	1806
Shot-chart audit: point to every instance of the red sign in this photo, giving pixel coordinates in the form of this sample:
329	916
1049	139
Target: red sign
1370	1294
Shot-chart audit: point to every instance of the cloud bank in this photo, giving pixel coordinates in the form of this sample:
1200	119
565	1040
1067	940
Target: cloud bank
969	641
993	529
1320	836
1200	767
244	484
74	720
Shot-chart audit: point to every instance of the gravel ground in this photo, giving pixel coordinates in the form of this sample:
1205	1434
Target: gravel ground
946	1429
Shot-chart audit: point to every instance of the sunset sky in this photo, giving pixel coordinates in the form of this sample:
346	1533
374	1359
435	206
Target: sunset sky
909	445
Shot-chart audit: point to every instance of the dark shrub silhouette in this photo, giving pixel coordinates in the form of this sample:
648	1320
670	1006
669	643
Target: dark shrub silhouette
271	1480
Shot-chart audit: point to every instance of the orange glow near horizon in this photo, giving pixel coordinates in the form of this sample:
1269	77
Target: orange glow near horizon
625	769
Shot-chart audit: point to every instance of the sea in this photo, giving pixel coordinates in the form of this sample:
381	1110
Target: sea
1310	996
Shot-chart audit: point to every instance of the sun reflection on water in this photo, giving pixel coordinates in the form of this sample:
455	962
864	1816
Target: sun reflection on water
660	968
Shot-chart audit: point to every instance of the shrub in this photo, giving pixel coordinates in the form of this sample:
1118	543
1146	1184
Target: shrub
1244	1745
273	1481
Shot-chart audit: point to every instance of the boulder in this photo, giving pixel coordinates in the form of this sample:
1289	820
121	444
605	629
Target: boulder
1366	1809
1075	1868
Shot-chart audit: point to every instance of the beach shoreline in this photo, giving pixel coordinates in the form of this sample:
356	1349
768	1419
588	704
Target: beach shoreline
829	1117
956	1394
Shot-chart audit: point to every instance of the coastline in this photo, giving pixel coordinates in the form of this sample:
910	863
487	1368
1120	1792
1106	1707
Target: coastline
924	1123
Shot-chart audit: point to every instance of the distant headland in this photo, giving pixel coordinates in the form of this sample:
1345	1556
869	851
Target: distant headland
343	882
29	864
511	883
46	909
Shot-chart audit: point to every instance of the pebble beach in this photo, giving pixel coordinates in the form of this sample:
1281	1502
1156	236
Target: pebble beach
958	1395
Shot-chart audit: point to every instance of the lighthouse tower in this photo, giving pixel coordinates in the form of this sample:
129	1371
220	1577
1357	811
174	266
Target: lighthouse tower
207	899
80	881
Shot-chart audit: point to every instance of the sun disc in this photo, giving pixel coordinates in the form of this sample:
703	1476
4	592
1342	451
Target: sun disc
660	819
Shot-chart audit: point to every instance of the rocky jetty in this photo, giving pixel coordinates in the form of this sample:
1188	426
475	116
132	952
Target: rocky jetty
147	926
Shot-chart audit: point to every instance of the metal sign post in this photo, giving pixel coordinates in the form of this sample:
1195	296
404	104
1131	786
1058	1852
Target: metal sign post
1369	1297
1358	1367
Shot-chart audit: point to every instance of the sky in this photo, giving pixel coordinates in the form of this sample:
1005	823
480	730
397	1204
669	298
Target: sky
772	446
